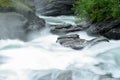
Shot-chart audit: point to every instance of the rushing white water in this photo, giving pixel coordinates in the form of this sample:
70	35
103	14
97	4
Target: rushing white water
44	59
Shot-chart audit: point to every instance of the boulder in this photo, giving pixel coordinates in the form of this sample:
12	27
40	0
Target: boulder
64	28
34	23
16	26
113	33
54	7
109	29
12	26
17	20
73	41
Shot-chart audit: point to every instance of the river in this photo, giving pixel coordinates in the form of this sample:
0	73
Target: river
43	59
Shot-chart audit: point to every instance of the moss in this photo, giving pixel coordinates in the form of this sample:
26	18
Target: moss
97	10
27	2
5	3
12	13
14	4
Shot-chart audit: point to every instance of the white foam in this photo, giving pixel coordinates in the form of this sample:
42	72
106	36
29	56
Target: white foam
43	53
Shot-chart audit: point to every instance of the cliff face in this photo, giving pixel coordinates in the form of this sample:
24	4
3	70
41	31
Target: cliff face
21	20
54	7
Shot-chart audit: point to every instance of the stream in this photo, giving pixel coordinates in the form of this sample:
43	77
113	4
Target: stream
43	59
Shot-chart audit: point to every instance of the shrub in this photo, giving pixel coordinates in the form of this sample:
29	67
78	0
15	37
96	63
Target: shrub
97	10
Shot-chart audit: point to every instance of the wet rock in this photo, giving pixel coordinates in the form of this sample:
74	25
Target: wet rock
34	23
16	26
17	21
12	26
73	41
54	7
109	29
64	28
84	24
113	33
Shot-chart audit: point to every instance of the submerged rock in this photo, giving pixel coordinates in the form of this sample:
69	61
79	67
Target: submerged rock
107	77
72	74
64	75
109	62
54	7
54	74
73	41
109	29
3	59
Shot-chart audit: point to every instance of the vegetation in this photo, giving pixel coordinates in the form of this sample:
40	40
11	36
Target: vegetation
14	4
97	10
12	13
29	3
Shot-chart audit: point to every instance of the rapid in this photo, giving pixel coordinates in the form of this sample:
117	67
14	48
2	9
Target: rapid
43	59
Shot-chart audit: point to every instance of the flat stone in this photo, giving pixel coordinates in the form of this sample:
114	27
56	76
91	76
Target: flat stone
75	42
64	28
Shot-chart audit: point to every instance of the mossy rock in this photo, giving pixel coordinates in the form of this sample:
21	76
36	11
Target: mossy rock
14	4
17	20
29	3
12	14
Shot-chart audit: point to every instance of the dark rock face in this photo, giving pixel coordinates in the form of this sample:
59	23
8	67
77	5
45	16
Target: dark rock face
109	29
54	7
64	28
113	33
73	41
